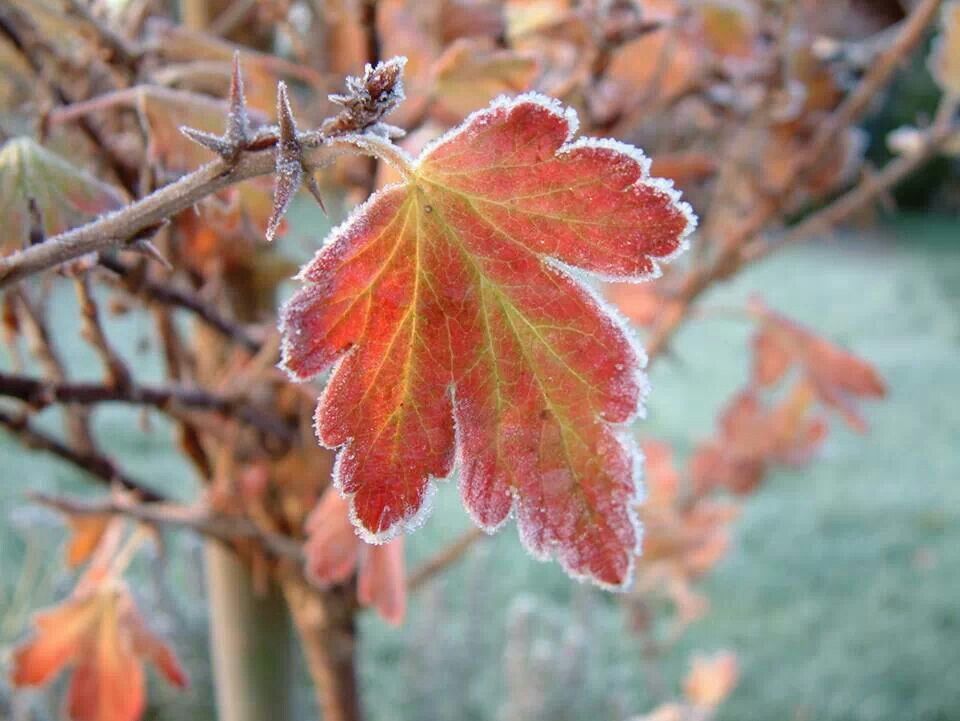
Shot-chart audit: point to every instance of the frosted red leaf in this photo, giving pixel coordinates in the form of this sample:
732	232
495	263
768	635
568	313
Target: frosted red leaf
459	335
333	552
100	634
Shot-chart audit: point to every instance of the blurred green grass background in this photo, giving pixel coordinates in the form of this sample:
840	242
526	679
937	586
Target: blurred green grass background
840	595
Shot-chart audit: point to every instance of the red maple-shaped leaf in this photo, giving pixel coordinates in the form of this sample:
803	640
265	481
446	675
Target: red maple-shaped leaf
101	634
459	334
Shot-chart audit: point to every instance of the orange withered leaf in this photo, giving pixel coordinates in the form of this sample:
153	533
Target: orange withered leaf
643	303
333	552
100	634
686	532
458	332
836	376
711	679
752	436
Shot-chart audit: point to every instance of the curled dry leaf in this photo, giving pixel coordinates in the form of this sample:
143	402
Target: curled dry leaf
752	436
333	553
529	17
836	377
42	194
457	332
408	28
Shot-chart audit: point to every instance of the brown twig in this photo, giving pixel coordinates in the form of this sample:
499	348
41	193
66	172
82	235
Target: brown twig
92	331
97	465
40	344
39	393
137	283
163	513
444	559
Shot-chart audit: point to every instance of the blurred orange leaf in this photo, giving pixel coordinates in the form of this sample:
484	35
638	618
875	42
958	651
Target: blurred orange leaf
333	553
472	72
711	679
86	533
945	60
836	376
100	633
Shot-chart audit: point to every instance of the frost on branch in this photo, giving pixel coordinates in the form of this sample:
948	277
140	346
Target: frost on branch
460	335
368	99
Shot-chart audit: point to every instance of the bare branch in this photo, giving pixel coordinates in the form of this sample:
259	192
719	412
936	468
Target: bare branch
76	419
97	465
39	393
222	528
444	559
92	331
138	284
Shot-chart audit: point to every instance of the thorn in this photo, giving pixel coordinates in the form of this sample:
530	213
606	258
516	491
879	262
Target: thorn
311	183
238	123
288	126
148	249
289	173
209	141
236	134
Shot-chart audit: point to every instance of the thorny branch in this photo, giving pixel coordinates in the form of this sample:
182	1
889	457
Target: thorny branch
242	159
